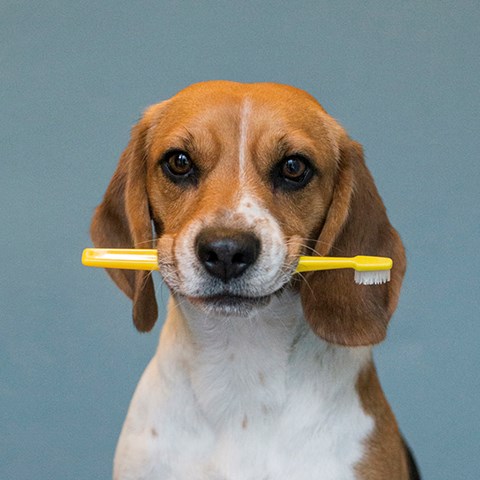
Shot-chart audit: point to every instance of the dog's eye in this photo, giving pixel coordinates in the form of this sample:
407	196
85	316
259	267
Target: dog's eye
178	167
179	164
293	168
292	173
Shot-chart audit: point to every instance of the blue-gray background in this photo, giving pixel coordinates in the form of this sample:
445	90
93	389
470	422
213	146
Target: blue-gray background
403	77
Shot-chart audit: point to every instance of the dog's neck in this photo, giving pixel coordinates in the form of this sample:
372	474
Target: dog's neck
241	369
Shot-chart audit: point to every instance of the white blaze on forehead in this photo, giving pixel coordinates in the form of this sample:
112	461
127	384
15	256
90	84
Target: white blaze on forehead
242	144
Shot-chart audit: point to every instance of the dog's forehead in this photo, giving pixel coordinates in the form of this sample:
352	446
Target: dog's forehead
267	93
223	108
206	101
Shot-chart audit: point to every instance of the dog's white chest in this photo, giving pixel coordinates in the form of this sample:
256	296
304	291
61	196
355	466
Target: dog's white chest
263	401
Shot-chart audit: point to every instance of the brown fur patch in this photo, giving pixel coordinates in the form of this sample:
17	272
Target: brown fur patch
385	456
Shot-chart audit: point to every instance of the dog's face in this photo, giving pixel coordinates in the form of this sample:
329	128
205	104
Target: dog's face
239	181
231	181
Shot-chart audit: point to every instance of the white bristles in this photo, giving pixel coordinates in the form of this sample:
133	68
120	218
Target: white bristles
373	277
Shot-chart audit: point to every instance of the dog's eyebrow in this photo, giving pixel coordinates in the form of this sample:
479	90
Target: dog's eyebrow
178	139
203	145
286	145
183	138
283	146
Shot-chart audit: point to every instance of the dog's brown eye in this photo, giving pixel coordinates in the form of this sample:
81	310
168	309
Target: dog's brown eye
178	167
292	173
293	168
179	164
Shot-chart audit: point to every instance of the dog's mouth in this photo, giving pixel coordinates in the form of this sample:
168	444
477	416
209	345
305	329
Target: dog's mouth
228	304
231	300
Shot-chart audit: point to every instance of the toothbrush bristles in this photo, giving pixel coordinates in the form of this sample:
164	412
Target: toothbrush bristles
373	277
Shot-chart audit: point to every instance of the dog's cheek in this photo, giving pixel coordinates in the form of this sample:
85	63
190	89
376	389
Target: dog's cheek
189	270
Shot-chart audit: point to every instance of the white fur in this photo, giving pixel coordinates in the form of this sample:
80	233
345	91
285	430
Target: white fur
242	144
245	399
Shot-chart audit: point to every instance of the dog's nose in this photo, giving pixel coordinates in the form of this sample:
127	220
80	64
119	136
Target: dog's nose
227	253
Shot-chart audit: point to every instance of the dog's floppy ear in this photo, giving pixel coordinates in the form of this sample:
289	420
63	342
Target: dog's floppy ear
339	310
123	220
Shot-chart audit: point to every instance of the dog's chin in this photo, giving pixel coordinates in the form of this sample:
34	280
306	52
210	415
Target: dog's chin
229	305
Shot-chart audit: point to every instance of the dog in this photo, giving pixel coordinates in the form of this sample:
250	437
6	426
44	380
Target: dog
260	373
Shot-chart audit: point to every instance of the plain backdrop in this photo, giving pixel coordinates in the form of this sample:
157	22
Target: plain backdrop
402	77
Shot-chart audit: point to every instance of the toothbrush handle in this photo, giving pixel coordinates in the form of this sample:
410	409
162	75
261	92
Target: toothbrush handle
124	258
309	264
361	263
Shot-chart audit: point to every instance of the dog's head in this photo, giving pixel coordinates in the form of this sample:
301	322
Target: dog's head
232	183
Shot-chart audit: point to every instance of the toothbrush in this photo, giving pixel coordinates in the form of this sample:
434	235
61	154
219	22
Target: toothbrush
368	270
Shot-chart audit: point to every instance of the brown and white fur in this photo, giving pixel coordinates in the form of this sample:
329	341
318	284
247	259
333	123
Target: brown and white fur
261	374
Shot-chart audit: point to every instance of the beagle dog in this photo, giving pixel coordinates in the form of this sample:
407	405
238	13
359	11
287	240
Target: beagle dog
260	373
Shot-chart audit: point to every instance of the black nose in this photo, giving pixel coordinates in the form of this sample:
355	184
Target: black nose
227	253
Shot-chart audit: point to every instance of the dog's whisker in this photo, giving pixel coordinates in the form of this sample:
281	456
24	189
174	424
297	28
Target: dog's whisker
303	242
302	276
145	242
145	279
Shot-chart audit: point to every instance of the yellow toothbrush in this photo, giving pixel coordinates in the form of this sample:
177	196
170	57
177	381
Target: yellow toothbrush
368	270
